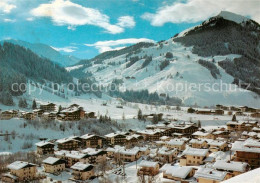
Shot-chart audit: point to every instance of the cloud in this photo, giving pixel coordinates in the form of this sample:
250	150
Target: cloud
64	12
6	6
192	11
30	19
103	46
67	49
9	20
126	21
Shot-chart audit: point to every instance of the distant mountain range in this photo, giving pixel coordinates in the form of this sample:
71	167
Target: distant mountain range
223	48
46	52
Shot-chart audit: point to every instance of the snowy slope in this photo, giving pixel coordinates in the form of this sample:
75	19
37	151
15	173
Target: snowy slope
183	72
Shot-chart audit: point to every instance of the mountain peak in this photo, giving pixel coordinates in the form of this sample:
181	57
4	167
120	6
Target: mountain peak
232	17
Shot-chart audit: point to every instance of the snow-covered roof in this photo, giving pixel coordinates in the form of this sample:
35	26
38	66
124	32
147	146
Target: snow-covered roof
17	165
195	152
133	151
110	135
235	122
150	132
209	173
9	175
145	163
80	166
249	145
91	151
164	137
252	176
43	143
166	151
230	165
178	142
200	133
177	171
50	160
217	143
87	136
197	141
64	140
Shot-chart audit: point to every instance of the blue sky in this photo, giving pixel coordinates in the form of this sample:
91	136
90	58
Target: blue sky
84	28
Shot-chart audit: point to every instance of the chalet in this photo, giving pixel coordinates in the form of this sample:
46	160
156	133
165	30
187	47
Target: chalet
116	138
217	145
20	171
48	107
73	114
219	112
95	155
148	168
53	165
253	135
220	134
239	113
176	143
82	171
247	151
38	112
204	112
256	129
233	108
95	141
204	135
6	115
210	175
71	157
199	143
255	115
134	139
128	155
90	115
45	147
49	115
166	155
151	135
68	144
233	168
178	174
193	156
236	126
29	116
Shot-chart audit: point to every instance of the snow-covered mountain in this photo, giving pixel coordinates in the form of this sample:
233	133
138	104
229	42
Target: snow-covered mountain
186	65
47	52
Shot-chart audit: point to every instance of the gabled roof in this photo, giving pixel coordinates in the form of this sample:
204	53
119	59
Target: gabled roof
51	160
180	171
195	152
82	167
145	163
176	142
230	165
43	143
209	173
17	165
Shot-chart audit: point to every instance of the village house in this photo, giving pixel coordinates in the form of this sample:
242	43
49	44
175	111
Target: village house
253	135
116	139
53	165
45	147
82	171
71	157
38	112
151	135
219	112
48	107
179	174
49	115
220	134
6	115
233	168
112	151
29	116
193	156
95	155
255	115
167	155
68	144
217	145
20	171
128	155
148	168
72	113
94	141
199	143
185	128
210	175
176	143
204	112
205	135
236	126
247	151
